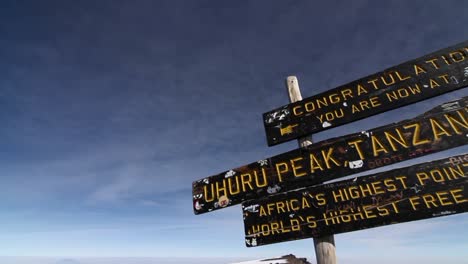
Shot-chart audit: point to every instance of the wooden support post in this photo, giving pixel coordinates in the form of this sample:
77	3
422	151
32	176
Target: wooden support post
324	246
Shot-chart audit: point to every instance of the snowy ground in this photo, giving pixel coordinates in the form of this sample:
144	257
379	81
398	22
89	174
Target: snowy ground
276	261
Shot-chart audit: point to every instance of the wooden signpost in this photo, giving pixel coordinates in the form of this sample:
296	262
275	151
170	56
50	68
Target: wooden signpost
431	75
417	192
325	250
442	128
283	197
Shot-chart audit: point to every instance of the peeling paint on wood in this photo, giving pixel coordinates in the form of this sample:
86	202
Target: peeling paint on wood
444	127
421	191
410	82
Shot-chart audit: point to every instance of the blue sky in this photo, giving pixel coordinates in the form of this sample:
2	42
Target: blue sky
110	109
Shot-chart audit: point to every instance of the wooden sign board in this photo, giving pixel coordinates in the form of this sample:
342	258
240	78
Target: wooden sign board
434	74
442	128
421	191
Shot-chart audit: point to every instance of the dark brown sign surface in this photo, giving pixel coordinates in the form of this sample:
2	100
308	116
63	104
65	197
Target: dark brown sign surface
421	191
442	128
434	74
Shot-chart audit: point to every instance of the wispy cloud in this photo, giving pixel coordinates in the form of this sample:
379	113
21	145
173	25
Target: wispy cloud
111	110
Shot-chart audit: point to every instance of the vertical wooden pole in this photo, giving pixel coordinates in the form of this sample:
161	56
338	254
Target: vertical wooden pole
324	246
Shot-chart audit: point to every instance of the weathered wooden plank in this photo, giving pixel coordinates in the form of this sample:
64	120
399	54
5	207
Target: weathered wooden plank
325	251
428	76
442	128
417	192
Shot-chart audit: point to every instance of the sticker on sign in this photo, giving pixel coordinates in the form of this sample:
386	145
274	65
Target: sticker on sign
421	191
431	75
442	128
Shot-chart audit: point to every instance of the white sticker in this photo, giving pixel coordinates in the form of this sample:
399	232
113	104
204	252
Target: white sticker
326	124
356	164
229	174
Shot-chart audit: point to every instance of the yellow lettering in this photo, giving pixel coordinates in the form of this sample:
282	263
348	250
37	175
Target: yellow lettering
392	96
231	185
361	89
334	98
377	146
265	182
367	211
205	193
219	190
246	180
262	211
457	171
314	163
295	225
382	211
347	93
327	157
354	192
418	69
265	230
395	208
320	199
311	221
433	83
294	207
444	77
452	121
279	171
305	203
416	134
345	218
415	90
355	109
364	105
461	58
433	62
329	220
389	184
280	207
400	140
296	110
355	144
275	228
402	180
445	59
296	167
377	187
402	78
429	200
375	101
270	208
437	175
365	188
390	82
338	196
414	202
322	102
443	199
355	216
422	176
437	129
374	83
457	197
284	229
309	107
